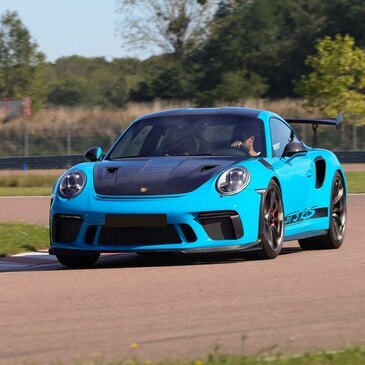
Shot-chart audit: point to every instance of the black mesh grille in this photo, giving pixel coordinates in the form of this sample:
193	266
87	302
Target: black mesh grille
139	236
65	228
221	225
189	234
90	234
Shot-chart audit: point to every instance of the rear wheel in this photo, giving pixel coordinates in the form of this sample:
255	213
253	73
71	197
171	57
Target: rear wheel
78	260
336	233
272	224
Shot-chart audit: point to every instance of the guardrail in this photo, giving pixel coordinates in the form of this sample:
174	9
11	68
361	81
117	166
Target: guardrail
351	156
66	161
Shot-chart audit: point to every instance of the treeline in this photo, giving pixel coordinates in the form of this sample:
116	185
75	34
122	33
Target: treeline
250	49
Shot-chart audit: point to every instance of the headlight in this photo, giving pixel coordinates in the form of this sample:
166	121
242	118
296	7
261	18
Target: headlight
72	184
233	180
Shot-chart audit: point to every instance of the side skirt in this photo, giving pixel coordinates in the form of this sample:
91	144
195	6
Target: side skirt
319	232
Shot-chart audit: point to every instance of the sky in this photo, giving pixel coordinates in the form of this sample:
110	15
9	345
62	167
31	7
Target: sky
67	27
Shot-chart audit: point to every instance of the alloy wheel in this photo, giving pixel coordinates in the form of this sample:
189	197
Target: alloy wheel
273	218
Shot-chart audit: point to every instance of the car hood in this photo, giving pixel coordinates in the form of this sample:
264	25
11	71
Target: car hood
157	175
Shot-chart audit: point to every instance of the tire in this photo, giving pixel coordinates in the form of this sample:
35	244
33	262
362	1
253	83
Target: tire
336	233
78	260
271	224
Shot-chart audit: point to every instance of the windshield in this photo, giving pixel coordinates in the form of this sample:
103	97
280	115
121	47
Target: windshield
192	135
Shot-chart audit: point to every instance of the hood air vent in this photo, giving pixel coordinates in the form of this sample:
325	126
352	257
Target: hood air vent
208	167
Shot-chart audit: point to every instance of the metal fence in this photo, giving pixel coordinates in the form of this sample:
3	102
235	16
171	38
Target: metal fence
40	162
68	139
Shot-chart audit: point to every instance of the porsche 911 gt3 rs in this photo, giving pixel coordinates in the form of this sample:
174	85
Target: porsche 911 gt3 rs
200	180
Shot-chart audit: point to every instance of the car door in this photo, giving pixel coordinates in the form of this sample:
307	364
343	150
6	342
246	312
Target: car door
295	173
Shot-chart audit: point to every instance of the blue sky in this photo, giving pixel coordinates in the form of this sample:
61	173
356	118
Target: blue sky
66	27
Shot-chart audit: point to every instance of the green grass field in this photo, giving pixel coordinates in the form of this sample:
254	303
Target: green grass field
27	181
16	238
356	181
351	356
27	191
30	185
33	185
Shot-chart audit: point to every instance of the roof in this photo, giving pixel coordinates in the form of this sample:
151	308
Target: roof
248	112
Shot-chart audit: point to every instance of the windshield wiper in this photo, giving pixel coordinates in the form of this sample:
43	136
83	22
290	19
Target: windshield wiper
201	154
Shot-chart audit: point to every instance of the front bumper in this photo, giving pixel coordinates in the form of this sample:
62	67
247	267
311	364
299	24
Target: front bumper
195	223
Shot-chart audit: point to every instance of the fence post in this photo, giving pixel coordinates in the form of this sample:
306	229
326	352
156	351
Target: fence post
354	138
304	134
26	139
68	138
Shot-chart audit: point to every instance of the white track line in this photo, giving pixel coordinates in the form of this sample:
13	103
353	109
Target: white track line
25	196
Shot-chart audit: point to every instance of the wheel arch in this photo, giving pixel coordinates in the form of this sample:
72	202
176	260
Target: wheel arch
341	172
276	179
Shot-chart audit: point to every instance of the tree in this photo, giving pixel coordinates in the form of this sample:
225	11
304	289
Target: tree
69	92
79	80
236	86
21	64
166	26
337	82
269	38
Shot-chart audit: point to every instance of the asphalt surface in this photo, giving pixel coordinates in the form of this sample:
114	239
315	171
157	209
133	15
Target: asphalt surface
30	209
182	306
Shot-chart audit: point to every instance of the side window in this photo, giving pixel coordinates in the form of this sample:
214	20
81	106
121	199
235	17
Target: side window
281	135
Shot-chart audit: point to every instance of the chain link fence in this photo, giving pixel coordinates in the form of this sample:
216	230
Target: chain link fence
23	140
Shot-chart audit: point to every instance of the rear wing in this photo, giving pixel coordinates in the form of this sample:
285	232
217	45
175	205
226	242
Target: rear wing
315	122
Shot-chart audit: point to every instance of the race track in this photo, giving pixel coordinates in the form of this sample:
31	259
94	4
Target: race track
181	306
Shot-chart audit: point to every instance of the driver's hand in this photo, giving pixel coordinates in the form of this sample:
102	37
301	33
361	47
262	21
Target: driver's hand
237	144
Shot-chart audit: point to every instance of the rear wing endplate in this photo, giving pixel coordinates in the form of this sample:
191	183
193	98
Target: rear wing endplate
315	122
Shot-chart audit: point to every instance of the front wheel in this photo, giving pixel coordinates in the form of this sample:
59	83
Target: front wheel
78	260
336	233
271	224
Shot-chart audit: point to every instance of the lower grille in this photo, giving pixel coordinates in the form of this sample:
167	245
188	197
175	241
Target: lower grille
65	228
139	236
90	234
221	225
188	232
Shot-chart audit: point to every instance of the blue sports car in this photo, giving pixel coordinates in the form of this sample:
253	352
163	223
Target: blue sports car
201	180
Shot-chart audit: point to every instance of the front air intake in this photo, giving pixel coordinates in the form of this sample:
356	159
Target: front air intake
65	228
221	225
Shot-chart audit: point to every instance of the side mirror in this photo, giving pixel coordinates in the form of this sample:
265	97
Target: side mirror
93	154
293	148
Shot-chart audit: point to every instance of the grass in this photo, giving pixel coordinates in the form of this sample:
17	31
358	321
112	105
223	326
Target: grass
28	181
36	191
29	185
356	181
16	238
350	356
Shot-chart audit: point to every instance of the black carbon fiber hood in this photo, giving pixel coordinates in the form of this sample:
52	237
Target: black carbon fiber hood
157	175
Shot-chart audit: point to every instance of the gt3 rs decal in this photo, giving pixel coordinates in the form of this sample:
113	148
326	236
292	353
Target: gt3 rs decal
308	213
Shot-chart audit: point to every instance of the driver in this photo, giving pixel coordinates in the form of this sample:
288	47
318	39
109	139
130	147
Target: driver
245	141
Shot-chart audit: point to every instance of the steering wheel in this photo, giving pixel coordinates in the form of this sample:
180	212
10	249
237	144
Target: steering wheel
232	151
